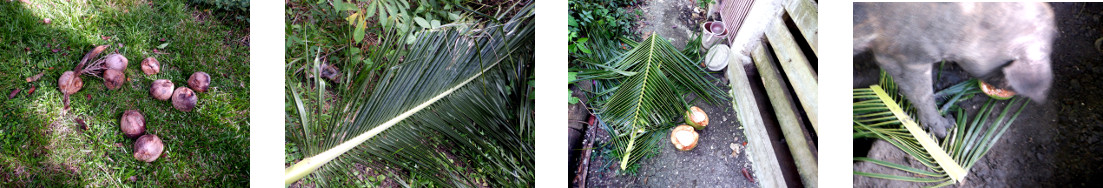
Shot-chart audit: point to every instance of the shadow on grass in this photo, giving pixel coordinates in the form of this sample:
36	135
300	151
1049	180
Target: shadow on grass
42	145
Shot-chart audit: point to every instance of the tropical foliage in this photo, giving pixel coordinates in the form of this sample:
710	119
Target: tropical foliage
641	96
453	108
880	112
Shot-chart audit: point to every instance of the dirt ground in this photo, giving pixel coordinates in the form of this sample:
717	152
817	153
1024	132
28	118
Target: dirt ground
711	163
1054	144
677	20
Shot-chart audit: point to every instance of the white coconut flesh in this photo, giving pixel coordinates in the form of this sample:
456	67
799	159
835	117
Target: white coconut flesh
698	116
685	137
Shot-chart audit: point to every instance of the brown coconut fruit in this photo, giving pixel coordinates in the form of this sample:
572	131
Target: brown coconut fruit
148	148
113	78
151	66
199	81
161	89
69	82
116	62
184	99
684	137
133	124
697	118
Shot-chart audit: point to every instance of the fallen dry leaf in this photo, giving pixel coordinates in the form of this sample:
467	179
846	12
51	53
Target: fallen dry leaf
82	125
35	77
13	93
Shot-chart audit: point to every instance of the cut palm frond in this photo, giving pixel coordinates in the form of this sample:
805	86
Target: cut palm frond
456	110
878	114
651	80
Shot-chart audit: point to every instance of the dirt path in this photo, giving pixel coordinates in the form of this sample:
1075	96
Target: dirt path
1051	144
676	20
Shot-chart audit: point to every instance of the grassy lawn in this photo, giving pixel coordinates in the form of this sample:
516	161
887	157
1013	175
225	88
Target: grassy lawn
41	144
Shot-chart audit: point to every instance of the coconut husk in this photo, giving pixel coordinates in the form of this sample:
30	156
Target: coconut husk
148	148
199	81
161	89
113	78
184	99
133	124
151	66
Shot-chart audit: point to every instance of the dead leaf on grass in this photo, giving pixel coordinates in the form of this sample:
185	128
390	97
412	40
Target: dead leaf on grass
35	77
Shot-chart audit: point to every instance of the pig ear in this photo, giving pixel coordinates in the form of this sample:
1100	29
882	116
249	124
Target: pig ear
1030	78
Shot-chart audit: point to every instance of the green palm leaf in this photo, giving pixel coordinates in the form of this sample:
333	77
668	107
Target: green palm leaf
463	89
653	77
880	112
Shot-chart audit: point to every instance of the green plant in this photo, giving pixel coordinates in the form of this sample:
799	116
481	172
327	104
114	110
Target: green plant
464	88
704	4
650	80
882	113
424	14
572	77
229	5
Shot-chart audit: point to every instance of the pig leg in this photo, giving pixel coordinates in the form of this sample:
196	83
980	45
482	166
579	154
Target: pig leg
914	81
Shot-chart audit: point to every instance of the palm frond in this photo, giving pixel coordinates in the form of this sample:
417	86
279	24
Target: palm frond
456	110
652	78
878	114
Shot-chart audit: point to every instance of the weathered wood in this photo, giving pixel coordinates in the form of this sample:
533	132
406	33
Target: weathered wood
797	69
804	15
787	118
759	149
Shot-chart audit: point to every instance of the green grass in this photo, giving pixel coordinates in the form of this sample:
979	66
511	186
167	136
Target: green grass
42	145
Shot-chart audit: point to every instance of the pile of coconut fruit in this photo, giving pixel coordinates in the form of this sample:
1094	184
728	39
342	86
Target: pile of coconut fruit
110	68
685	137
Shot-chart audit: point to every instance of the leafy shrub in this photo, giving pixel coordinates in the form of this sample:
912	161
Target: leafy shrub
227	5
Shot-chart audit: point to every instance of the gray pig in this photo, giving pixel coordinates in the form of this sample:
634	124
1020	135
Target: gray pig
908	39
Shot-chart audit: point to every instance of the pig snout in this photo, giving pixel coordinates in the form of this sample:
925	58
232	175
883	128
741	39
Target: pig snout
1030	79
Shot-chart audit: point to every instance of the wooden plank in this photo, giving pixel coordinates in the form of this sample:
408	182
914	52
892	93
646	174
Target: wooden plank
787	118
796	68
805	16
759	149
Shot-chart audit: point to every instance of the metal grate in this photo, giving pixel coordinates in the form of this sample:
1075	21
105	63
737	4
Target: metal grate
733	12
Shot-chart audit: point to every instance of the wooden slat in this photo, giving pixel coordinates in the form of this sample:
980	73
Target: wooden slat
787	118
796	68
804	15
759	148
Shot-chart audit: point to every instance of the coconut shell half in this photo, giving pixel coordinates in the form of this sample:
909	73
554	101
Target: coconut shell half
161	89
684	137
184	99
151	66
113	78
148	148
133	124
199	81
996	93
697	118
